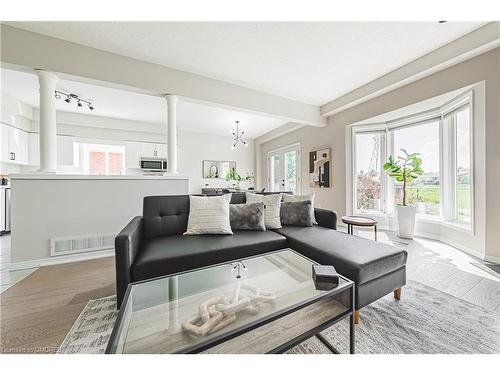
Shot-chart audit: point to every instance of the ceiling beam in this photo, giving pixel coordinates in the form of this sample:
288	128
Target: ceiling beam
278	132
475	43
26	49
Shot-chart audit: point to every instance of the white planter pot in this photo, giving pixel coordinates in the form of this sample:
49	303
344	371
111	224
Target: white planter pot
406	221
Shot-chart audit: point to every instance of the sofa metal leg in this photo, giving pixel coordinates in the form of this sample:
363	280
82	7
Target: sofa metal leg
397	294
356	317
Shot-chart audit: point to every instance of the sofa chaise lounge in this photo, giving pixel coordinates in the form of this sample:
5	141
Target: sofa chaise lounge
153	245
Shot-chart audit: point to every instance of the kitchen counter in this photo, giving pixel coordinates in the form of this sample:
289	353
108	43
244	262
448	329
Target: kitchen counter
75	210
41	176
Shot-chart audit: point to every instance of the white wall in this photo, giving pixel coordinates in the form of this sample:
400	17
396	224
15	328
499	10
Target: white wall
193	148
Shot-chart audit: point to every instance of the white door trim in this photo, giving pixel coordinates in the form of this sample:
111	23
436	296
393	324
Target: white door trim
281	150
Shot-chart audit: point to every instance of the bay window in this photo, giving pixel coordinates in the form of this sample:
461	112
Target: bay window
443	138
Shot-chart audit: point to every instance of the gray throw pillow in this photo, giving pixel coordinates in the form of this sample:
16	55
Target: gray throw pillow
296	213
297	198
249	216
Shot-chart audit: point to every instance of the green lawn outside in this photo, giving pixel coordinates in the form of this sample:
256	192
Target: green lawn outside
430	194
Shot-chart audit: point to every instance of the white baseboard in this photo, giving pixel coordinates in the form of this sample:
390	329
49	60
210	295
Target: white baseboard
60	260
447	241
492	259
463	248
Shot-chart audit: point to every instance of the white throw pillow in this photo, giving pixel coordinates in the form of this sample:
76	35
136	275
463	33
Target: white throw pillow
301	198
209	215
272	207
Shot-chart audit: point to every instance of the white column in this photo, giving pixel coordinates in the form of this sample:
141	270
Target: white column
171	133
48	129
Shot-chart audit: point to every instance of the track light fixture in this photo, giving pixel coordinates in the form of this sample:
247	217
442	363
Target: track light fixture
69	97
238	137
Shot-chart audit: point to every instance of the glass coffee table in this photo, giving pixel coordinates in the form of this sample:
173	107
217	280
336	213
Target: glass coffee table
261	304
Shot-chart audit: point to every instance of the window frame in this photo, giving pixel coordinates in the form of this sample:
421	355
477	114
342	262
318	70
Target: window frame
431	119
383	179
106	149
452	116
447	160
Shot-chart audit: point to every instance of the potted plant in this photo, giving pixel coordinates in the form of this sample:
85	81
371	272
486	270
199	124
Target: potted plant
231	175
405	169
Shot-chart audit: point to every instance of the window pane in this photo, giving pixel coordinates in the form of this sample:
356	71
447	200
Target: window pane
425	191
291	171
115	163
274	168
368	174
463	198
97	163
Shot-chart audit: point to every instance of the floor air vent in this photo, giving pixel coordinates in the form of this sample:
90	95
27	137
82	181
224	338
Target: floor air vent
81	244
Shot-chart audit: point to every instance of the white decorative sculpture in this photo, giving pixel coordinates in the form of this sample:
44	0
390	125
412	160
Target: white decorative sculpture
217	313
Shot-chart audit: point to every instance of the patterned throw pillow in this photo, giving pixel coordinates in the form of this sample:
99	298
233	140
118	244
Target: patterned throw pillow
209	215
272	204
301	198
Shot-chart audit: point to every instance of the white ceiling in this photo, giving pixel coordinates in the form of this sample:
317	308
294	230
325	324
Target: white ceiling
314	62
110	102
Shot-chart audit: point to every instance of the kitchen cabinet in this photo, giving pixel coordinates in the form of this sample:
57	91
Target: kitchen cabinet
153	150
34	149
3	224
14	145
161	149
4	145
67	156
65	151
132	155
147	150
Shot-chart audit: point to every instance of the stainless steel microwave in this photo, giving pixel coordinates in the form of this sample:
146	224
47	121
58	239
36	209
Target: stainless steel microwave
154	164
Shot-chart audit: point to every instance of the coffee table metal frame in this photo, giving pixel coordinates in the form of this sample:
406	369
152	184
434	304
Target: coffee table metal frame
316	331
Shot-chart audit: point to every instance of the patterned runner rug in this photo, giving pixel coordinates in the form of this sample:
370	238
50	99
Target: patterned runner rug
425	320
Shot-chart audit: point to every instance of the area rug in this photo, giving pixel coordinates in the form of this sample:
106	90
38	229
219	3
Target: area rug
425	320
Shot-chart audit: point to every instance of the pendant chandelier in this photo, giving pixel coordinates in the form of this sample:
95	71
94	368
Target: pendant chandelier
238	137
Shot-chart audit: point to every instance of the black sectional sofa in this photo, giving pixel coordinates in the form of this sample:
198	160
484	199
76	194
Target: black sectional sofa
153	245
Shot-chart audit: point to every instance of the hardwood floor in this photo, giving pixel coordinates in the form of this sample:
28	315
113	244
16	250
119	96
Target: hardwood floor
38	312
449	270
